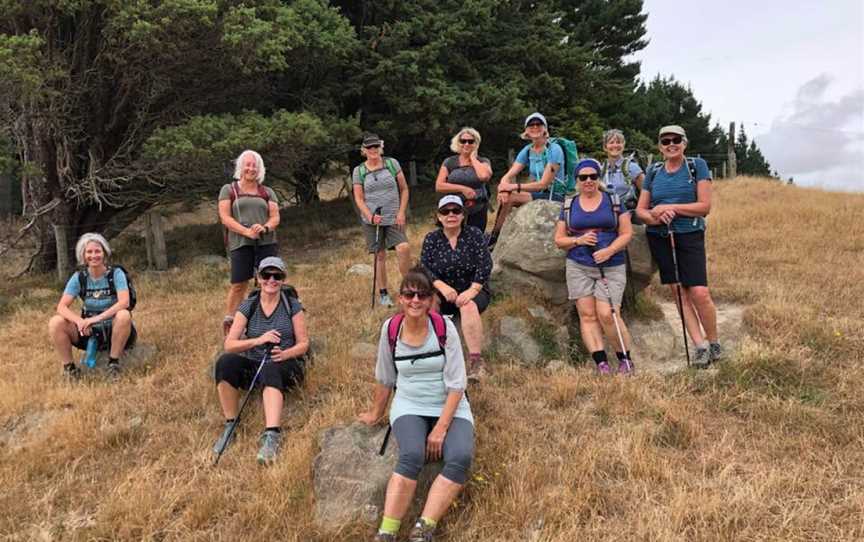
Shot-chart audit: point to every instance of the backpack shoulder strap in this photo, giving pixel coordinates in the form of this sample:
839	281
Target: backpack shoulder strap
391	167
109	274
393	326
82	283
263	193
440	327
568	203
363	172
235	191
625	171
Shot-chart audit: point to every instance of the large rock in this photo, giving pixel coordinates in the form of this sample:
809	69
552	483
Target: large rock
515	340
350	478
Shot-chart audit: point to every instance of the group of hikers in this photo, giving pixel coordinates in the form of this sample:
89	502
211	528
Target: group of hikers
420	359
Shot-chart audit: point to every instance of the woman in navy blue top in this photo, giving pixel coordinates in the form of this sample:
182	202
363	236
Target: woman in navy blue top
675	199
594	232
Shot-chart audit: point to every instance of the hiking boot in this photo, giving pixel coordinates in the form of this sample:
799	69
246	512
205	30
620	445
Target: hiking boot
422	532
113	370
702	358
626	367
715	352
270	441
477	371
225	439
226	325
603	368
385	537
385	301
71	373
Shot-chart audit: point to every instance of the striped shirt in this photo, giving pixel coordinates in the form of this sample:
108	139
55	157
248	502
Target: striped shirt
258	324
676	187
380	189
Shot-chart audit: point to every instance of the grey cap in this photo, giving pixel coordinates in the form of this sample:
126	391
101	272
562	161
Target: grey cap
673	129
272	261
450	199
371	140
537	116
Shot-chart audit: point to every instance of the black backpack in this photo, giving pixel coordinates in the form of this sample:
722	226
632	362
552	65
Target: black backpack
109	274
288	292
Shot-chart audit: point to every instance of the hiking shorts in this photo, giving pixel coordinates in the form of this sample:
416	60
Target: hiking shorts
388	237
104	338
690	251
245	260
450	309
584	281
238	371
411	431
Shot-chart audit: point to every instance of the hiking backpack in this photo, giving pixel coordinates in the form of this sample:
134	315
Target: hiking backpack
692	176
234	194
287	293
395	324
613	200
629	199
571	158
109	274
388	163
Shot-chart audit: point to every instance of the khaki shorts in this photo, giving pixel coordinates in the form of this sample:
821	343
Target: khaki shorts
388	238
584	281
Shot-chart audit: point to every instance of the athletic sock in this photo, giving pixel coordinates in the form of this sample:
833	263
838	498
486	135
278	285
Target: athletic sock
474	356
390	525
113	361
599	357
274	429
229	420
429	521
383	291
622	355
69	366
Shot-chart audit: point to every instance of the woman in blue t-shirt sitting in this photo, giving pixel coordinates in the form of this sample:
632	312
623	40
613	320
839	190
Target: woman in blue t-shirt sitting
105	315
430	415
269	327
675	199
594	231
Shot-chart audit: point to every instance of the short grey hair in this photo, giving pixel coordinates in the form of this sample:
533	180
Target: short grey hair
455	146
613	133
86	239
238	165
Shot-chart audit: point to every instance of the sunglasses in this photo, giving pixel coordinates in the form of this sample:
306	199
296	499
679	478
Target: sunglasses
467	141
674	140
450	211
276	275
372	146
586	176
419	294
535	124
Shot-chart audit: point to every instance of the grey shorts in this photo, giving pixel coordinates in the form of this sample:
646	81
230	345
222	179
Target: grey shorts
388	238
584	281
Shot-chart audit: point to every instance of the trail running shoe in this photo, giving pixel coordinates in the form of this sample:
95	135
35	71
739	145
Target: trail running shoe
385	537
626	367
715	352
422	532
270	441
603	368
702	358
114	370
71	373
225	439
385	300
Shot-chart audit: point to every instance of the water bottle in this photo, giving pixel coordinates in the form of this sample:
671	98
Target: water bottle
90	357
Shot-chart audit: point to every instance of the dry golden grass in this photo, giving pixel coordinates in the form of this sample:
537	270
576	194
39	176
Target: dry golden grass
769	447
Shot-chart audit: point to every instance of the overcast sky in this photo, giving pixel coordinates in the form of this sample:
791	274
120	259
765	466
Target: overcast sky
792	72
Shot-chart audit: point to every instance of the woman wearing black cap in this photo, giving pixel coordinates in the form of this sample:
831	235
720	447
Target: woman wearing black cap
675	199
381	194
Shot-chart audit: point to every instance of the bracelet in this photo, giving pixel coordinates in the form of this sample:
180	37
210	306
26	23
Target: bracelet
518	187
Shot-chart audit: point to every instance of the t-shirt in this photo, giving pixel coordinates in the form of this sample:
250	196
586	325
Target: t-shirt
467	176
380	189
258	324
248	210
422	384
97	296
603	221
536	163
676	187
614	176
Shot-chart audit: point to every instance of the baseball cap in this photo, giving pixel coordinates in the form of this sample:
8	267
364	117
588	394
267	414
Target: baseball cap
272	261
537	116
450	199
673	129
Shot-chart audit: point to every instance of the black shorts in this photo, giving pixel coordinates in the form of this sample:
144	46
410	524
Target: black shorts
104	339
482	300
239	371
690	251
478	217
245	260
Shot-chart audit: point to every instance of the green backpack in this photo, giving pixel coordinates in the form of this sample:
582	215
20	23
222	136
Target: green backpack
571	158
388	163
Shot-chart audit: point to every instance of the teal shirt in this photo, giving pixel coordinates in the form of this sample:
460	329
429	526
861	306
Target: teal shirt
98	296
677	187
536	164
422	385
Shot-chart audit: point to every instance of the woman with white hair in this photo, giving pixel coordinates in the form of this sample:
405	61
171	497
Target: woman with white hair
620	174
467	174
105	315
250	213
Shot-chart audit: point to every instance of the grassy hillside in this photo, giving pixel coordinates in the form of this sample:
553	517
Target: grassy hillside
770	446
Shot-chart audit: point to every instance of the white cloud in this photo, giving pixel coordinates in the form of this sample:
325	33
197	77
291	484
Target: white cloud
819	141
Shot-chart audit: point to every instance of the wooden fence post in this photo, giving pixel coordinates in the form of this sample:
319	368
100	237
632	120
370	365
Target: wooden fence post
724	170
730	151
156	242
61	243
412	173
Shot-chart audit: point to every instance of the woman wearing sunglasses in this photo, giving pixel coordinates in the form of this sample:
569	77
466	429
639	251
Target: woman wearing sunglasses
430	415
467	174
269	327
381	194
594	233
457	257
675	199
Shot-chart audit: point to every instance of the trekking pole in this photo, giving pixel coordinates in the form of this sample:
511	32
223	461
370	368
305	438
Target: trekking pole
605	282
678	291
375	256
236	421
386	440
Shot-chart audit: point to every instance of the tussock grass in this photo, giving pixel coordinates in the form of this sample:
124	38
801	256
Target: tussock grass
768	447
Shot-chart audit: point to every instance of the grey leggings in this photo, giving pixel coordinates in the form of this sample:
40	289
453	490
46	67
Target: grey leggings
411	432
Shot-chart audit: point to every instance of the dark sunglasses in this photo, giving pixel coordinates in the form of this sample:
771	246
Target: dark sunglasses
674	140
586	176
371	146
450	211
419	294
533	124
267	275
467	141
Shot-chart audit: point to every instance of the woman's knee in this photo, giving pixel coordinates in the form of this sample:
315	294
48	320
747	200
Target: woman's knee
469	312
587	312
122	318
411	461
699	295
56	324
